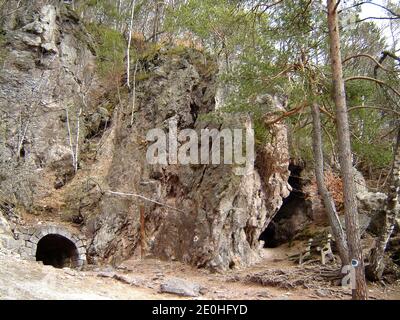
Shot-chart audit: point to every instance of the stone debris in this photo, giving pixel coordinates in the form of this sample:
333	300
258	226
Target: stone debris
264	294
127	279
105	274
181	287
322	293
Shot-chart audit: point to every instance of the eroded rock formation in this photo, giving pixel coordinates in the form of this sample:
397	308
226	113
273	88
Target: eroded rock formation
47	70
221	215
50	69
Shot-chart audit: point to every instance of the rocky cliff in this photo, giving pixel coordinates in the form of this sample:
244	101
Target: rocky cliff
46	70
69	158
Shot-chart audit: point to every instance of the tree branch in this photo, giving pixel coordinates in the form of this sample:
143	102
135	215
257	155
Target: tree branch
378	65
378	18
384	55
373	80
374	4
286	114
376	108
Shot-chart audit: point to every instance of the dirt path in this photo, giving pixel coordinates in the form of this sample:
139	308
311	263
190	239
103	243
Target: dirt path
139	279
231	285
30	280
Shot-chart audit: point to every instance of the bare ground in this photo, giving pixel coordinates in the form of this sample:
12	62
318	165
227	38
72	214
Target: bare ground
274	278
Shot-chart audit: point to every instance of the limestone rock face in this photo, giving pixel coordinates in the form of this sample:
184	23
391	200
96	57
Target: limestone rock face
209	216
371	205
7	240
47	67
220	215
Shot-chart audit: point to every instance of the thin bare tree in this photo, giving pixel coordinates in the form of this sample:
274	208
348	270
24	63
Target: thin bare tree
128	50
74	147
329	204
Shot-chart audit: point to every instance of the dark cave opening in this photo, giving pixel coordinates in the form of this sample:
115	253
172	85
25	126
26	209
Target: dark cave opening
291	217
57	251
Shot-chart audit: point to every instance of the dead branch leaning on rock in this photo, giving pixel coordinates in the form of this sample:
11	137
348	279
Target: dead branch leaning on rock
122	194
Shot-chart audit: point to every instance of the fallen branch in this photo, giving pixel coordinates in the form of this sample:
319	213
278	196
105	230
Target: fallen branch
122	194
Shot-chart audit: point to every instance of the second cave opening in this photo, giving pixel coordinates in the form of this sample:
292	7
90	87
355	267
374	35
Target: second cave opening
294	213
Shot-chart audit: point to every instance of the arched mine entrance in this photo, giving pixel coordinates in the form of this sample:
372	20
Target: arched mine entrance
57	251
292	216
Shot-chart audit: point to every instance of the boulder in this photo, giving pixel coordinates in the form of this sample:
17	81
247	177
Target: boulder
181	287
370	202
364	222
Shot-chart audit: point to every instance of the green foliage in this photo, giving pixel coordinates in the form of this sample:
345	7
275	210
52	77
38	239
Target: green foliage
377	155
260	130
110	49
282	51
143	76
218	23
367	127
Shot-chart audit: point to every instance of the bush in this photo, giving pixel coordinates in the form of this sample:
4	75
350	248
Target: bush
110	49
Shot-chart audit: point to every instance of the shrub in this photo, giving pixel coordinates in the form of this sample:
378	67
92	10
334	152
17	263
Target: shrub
110	49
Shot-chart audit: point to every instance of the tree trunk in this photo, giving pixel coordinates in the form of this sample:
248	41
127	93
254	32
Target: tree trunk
343	132
128	49
377	263
156	22
333	217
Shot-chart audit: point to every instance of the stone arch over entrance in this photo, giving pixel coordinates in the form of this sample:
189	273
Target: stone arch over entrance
57	251
56	246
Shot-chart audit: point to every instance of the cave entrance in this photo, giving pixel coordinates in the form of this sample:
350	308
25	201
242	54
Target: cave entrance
293	215
57	251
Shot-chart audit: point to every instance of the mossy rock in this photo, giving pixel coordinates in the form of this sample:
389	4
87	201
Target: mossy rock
176	51
143	76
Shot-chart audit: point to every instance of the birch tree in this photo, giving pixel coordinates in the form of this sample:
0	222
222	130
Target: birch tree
387	218
128	50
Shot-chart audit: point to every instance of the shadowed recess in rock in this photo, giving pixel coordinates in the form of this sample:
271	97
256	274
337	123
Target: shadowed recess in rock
294	214
57	251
